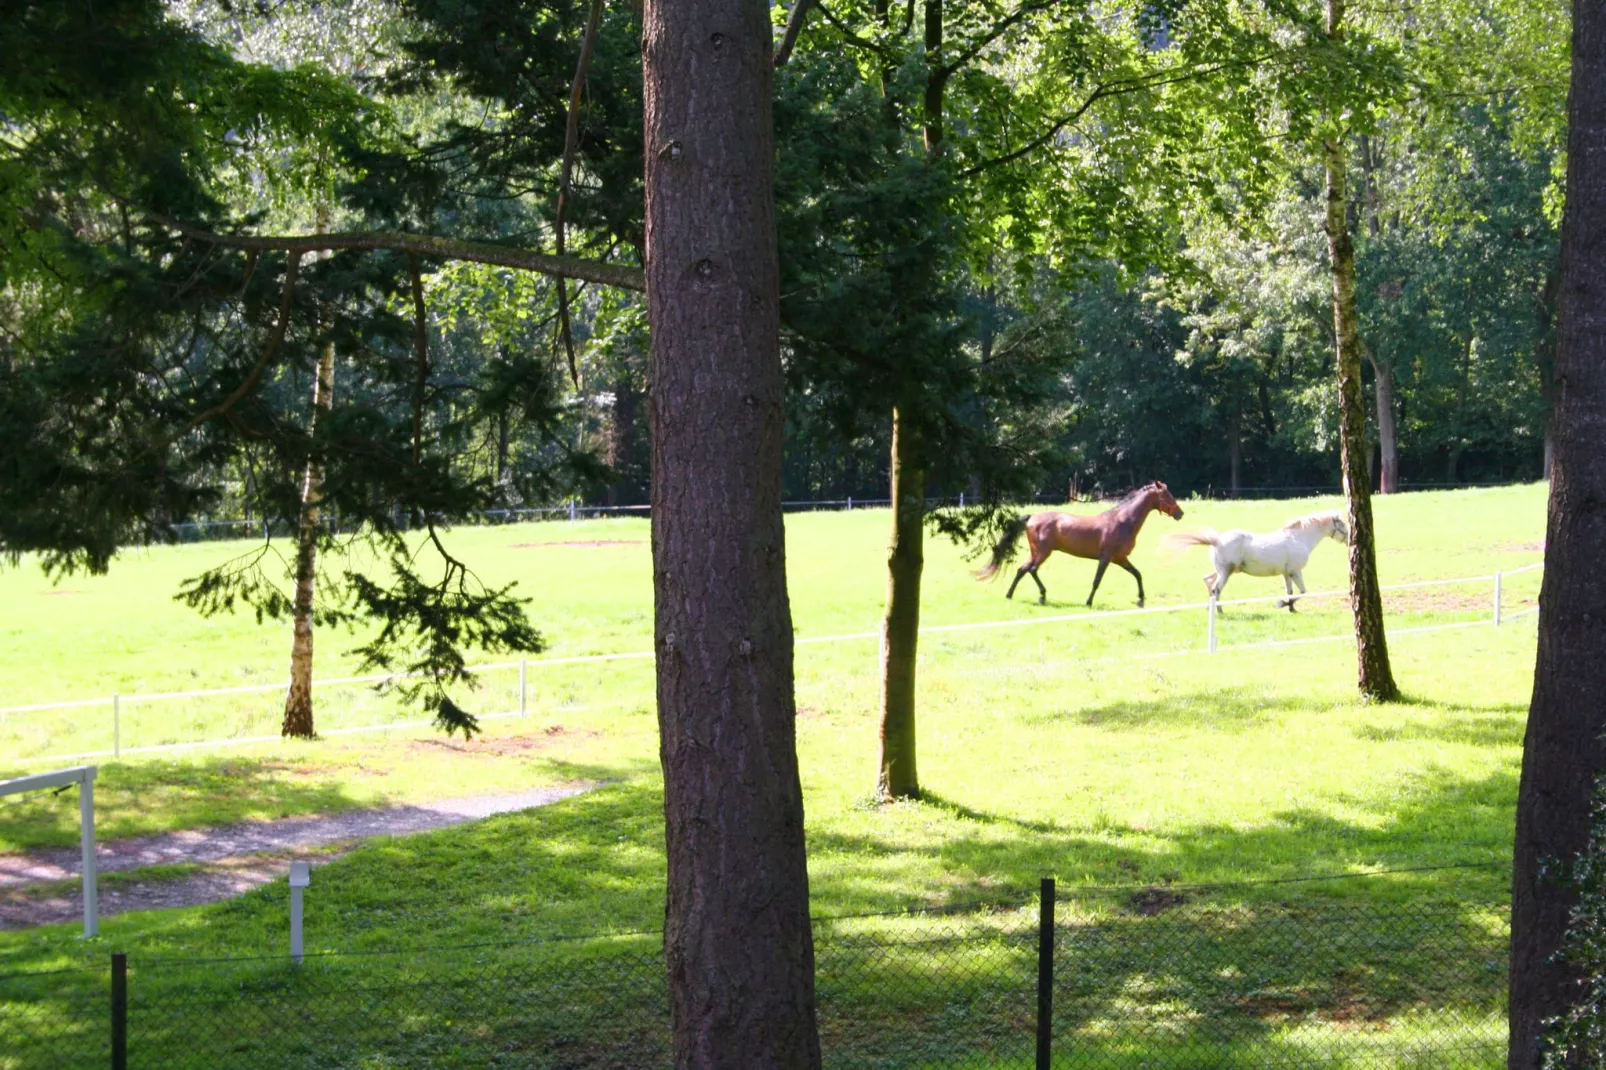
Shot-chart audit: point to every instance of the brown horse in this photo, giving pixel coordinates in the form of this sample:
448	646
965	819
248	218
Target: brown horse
1107	537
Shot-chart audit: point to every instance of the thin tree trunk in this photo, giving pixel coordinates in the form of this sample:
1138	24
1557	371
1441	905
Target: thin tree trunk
737	938
898	774
622	442
1564	751
1388	481
1235	454
1375	678
298	720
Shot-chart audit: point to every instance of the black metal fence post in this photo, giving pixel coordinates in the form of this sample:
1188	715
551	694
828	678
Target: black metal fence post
119	1011
1045	974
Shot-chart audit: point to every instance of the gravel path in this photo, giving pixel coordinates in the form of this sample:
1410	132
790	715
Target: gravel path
237	857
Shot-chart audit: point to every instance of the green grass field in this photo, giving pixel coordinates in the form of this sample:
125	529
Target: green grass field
1108	753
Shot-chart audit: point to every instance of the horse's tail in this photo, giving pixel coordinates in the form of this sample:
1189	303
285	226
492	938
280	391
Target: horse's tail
1004	552
1178	540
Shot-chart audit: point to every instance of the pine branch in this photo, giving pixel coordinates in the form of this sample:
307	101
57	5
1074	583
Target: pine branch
571	146
425	245
286	299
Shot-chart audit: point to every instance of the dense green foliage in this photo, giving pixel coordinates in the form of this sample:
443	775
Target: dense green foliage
1121	223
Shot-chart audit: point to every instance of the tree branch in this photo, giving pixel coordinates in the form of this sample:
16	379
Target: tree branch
426	245
286	299
999	28
571	145
794	26
1103	92
853	38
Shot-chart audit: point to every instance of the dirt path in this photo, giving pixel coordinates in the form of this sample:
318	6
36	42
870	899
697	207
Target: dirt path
234	858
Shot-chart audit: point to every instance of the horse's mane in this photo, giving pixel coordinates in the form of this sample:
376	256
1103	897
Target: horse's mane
1310	521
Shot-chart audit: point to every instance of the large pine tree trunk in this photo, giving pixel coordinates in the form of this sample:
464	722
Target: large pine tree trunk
898	774
298	701
1564	752
737	939
1375	678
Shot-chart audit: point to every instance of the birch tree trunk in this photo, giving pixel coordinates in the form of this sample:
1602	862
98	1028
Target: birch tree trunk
1564	752
1375	677
737	939
298	720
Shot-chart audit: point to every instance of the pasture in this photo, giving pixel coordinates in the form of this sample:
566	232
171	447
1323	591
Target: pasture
1108	753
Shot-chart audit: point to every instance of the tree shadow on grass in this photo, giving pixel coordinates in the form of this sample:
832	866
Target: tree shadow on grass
453	937
157	796
1493	724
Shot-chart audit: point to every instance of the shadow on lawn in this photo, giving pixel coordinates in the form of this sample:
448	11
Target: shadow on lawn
1328	974
1495	724
157	796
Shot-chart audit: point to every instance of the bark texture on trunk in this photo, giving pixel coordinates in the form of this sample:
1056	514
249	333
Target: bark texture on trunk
1563	752
898	775
1375	677
298	719
737	937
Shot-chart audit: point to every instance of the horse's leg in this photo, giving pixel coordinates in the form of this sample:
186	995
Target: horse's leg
1036	556
1288	580
1042	592
1098	577
1219	582
1135	575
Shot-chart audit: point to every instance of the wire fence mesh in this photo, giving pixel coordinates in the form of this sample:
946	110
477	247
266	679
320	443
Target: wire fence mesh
1150	979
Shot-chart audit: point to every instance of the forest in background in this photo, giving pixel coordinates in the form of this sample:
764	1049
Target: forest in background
1179	327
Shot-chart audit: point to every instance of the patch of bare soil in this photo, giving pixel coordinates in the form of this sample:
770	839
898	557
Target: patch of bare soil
1523	547
1438	599
1152	901
578	542
505	746
39	887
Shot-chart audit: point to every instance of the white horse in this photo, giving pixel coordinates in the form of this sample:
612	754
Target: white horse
1278	553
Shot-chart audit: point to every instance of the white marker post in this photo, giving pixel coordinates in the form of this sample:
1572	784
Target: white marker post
1211	609
1497	599
300	877
84	777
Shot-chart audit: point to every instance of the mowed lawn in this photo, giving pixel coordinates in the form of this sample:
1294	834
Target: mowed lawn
1108	753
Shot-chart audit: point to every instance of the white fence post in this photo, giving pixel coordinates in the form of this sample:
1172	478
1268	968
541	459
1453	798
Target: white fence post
850	503
86	836
524	675
1211	610
300	877
571	508
1497	599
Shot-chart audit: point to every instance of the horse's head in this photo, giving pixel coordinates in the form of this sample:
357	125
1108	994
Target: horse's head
1337	530
1163	500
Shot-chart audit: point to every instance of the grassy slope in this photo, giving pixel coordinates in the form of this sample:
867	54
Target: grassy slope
1100	756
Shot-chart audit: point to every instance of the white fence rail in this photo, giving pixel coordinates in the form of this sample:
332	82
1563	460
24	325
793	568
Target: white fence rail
525	665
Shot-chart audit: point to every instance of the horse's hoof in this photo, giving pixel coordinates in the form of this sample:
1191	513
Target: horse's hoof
1140	603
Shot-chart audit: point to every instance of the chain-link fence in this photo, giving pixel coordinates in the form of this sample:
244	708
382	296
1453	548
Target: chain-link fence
1137	979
